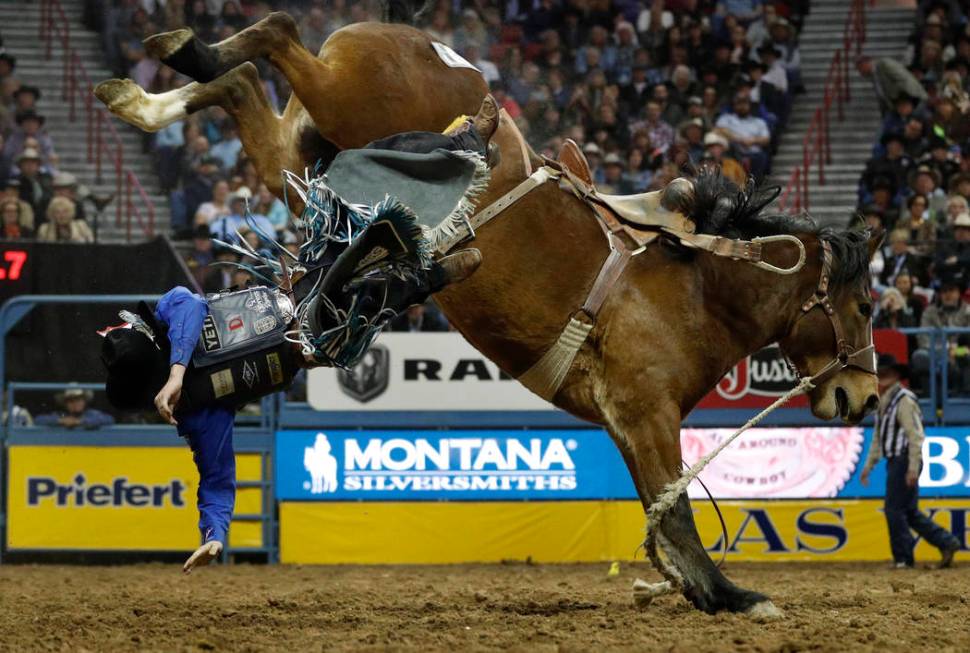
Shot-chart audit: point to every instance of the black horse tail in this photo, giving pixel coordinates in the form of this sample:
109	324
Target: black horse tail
406	11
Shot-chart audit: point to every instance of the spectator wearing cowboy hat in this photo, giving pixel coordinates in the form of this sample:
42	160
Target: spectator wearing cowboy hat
953	256
748	134
65	185
613	169
922	227
75	413
715	153
775	74
894	164
10	190
925	180
691	132
898	437
25	98
61	225
783	40
35	186
30	126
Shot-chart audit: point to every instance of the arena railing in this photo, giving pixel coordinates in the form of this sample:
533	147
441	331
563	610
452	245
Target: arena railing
816	144
104	145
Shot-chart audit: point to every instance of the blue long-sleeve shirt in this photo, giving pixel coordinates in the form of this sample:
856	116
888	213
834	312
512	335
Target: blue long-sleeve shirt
208	429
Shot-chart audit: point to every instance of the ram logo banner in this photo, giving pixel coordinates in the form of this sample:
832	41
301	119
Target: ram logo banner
421	465
369	378
420	371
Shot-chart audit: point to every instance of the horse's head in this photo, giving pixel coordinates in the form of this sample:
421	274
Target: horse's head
831	336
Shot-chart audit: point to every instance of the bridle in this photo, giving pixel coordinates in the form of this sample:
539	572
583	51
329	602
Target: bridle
845	355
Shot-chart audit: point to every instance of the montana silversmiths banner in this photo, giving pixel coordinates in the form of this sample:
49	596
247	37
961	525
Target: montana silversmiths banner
496	465
419	371
449	465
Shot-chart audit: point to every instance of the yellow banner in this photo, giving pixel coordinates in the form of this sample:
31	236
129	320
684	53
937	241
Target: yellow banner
575	531
115	498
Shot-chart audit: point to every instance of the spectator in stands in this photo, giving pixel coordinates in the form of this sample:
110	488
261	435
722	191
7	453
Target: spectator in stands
12	227
420	318
199	258
893	312
30	126
217	207
893	166
75	413
200	183
890	80
925	180
914	140
61	225
784	41
18	416
905	283
270	206
903	109
953	256
613	170
764	92
715	153
11	191
955	205
8	63
661	134
25	98
748	134
227	150
948	311
691	132
775	73
922	229
224	228
64	184
35	186
902	257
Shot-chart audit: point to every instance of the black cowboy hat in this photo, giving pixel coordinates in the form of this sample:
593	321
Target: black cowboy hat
768	48
890	136
888	363
137	366
751	64
28	115
26	88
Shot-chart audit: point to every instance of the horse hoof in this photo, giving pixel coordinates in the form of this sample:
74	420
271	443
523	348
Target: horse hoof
116	94
164	45
764	611
644	593
123	98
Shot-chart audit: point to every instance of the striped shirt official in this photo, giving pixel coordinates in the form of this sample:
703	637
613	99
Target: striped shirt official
892	435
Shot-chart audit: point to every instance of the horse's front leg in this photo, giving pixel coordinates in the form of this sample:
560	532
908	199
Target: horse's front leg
649	436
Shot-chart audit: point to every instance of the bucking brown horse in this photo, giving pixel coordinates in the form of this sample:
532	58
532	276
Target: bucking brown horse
675	322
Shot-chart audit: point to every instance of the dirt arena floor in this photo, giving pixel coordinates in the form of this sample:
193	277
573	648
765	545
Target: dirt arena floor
153	607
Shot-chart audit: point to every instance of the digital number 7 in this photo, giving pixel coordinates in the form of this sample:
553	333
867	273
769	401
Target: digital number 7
16	258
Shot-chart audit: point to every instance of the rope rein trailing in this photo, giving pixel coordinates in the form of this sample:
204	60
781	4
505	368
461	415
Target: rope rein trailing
672	492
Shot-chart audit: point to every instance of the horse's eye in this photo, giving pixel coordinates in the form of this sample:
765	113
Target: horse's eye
865	309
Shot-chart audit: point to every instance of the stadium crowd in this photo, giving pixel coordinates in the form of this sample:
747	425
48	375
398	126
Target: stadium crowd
916	186
38	199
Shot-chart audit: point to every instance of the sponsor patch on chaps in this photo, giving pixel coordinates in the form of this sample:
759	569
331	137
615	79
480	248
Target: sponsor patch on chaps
275	368
210	335
264	325
250	374
222	383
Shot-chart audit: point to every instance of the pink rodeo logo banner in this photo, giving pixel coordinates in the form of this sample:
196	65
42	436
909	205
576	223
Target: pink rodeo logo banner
774	463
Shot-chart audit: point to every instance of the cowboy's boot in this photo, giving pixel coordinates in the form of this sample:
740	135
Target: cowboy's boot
485	123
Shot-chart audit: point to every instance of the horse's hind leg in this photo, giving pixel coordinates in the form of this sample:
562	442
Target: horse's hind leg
189	55
652	445
268	139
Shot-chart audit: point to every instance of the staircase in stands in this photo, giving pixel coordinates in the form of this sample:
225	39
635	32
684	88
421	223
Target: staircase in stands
852	139
19	26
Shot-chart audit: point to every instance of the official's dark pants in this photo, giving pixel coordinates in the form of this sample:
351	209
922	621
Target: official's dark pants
903	513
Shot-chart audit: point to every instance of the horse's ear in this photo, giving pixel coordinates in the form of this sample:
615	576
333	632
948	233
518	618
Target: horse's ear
856	223
876	238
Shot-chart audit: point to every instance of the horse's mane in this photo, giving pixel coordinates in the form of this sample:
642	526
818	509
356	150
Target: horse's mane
723	208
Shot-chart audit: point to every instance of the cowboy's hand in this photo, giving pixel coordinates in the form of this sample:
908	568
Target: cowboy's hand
203	556
912	476
168	397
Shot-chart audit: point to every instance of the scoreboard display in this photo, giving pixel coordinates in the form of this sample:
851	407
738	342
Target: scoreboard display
16	269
